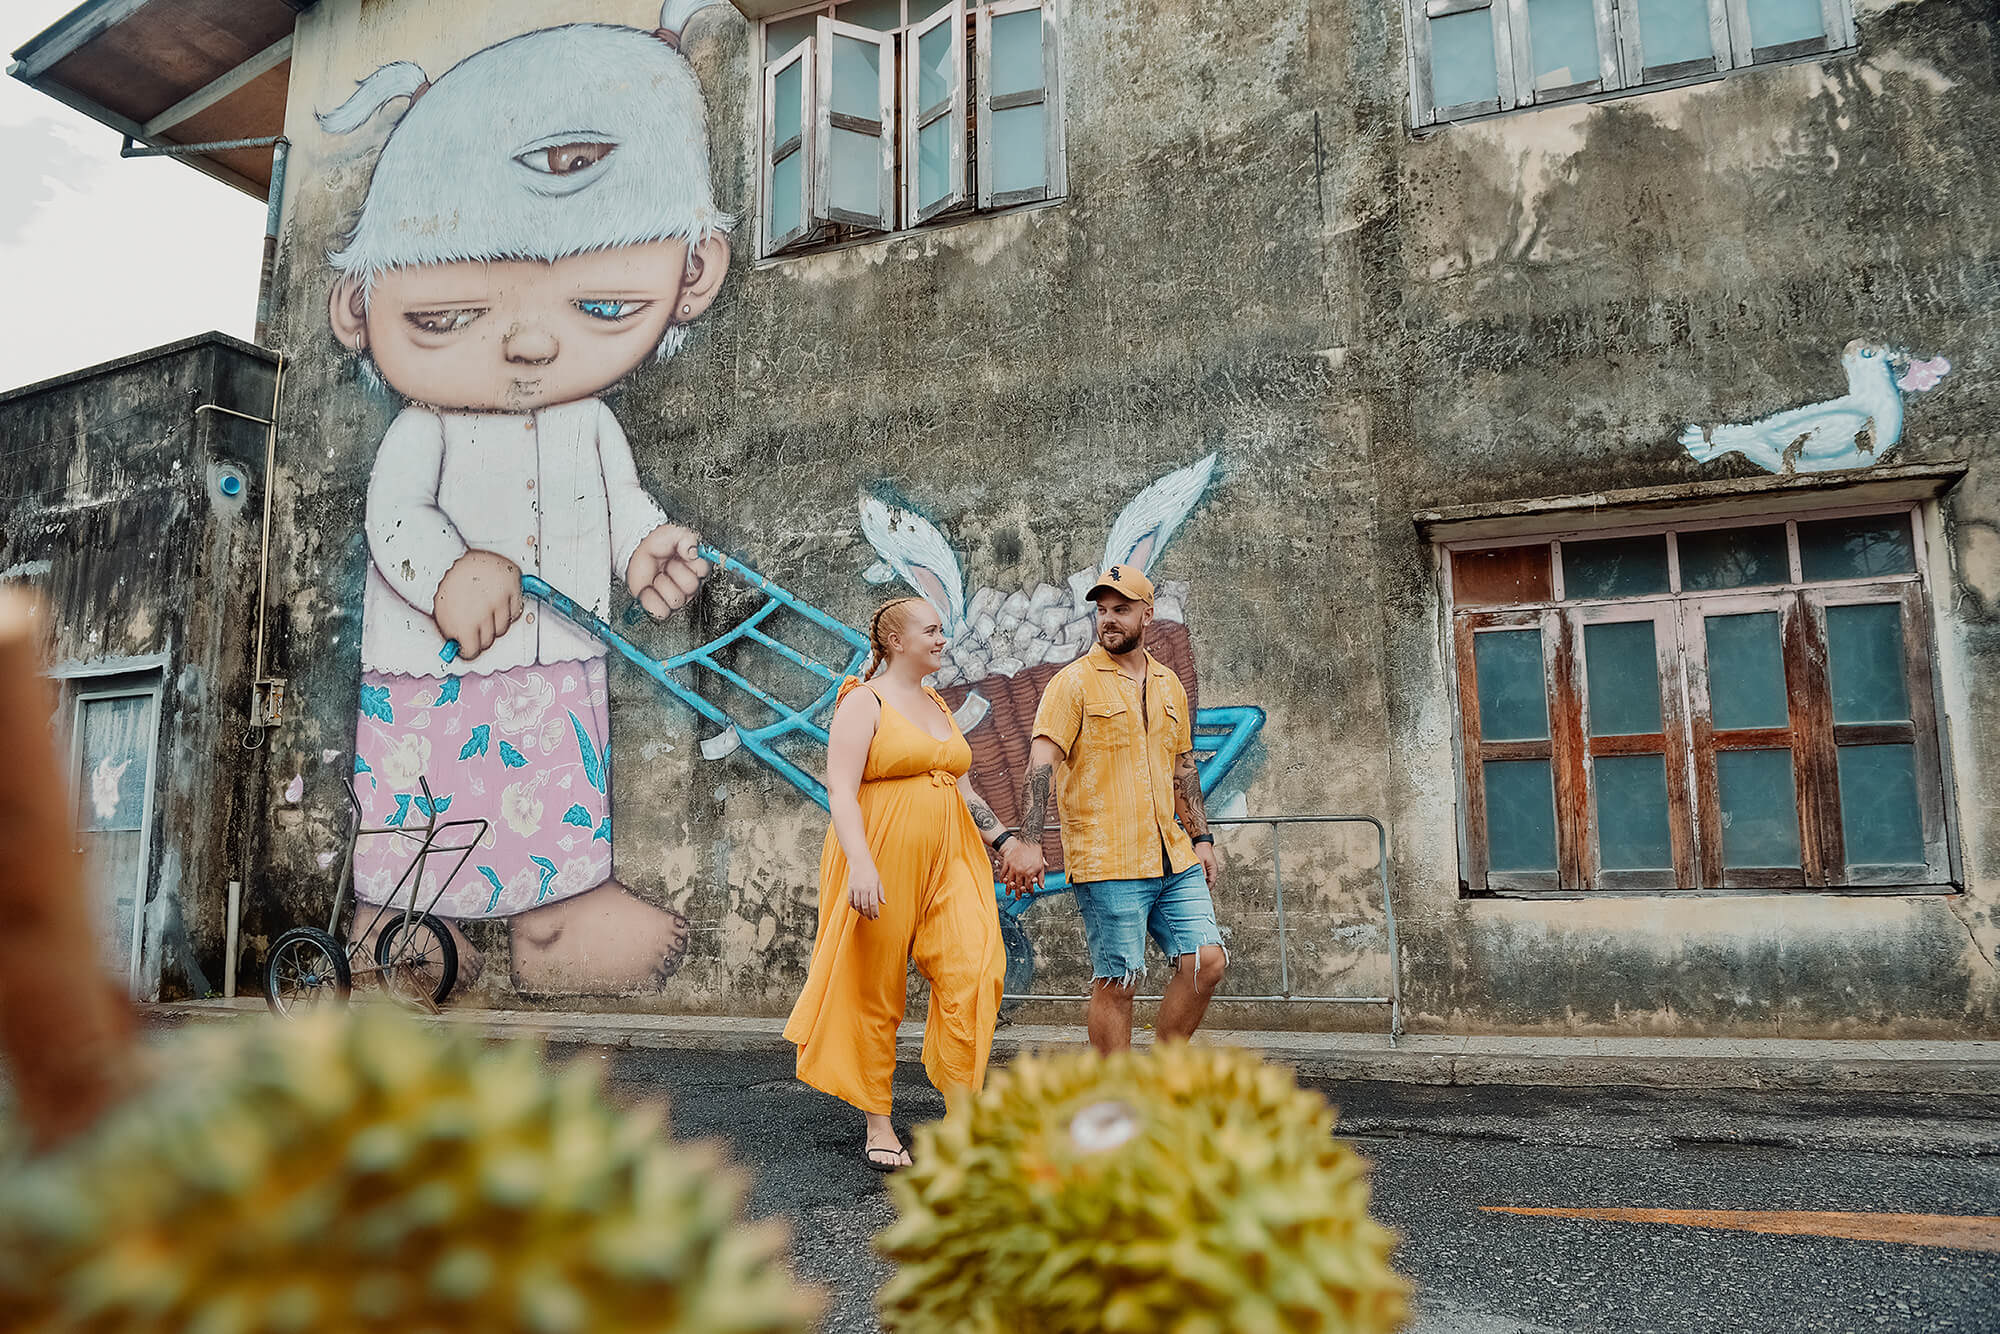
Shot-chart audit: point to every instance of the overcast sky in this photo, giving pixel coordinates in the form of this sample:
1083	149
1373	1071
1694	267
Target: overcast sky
101	256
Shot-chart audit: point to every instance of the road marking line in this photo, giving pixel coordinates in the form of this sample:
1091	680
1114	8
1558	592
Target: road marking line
1959	1233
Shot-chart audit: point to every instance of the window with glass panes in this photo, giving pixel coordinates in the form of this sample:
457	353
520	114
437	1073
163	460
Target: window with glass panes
1726	705
883	115
1477	57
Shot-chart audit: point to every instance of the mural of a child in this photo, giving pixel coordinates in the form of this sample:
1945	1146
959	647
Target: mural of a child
539	223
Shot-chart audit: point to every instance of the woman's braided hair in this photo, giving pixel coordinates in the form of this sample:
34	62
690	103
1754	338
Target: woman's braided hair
878	645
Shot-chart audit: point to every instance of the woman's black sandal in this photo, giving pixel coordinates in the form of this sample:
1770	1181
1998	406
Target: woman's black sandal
890	1161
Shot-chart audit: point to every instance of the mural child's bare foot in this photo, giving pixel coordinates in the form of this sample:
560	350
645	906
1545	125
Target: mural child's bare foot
604	942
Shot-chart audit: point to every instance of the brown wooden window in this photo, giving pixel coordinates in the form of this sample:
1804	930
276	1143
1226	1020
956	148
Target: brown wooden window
1741	705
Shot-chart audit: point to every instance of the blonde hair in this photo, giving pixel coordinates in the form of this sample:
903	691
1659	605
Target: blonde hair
878	645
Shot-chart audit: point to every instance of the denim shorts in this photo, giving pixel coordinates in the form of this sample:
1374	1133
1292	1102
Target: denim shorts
1118	915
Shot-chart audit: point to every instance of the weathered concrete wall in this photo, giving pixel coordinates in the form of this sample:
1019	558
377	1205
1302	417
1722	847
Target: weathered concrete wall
117	521
1256	261
1558	292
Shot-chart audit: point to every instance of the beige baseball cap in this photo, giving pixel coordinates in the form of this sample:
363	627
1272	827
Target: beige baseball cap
1126	579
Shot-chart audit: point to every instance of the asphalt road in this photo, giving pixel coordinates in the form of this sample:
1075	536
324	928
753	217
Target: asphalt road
1441	1154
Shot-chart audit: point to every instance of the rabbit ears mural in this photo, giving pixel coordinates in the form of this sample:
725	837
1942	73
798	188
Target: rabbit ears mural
1001	632
1006	644
1855	430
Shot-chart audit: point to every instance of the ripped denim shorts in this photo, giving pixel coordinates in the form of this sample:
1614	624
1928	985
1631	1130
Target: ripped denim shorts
1118	915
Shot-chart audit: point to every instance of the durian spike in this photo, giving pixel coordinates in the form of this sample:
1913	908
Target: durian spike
66	1031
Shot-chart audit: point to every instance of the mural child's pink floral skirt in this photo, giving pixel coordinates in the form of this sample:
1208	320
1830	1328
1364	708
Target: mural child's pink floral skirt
527	750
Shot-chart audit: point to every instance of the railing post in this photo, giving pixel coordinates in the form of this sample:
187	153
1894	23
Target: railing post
1278	883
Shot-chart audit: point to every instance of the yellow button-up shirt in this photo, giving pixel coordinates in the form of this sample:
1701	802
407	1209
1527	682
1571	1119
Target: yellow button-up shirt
1115	789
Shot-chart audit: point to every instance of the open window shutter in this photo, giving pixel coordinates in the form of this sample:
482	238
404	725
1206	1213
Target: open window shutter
1562	48
789	90
1766	30
854	145
1020	138
1663	40
934	110
1465	55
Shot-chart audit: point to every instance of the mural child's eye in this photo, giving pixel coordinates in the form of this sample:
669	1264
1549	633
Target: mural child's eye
1867	351
443	321
608	309
565	159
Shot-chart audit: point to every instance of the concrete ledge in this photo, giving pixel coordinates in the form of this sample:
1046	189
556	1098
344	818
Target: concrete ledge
1667	1063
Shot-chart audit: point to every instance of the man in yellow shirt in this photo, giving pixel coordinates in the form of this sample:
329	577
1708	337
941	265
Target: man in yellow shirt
1114	737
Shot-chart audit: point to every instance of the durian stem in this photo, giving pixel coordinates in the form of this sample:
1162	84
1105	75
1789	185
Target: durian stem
66	1030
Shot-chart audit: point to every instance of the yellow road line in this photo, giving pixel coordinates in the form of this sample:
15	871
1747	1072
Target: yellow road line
1955	1232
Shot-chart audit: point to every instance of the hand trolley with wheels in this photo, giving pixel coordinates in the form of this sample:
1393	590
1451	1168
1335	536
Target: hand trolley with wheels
414	956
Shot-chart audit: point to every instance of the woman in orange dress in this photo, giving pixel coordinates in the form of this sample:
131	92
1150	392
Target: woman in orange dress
904	876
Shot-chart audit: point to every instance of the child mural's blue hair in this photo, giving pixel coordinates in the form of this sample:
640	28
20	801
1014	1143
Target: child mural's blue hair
557	142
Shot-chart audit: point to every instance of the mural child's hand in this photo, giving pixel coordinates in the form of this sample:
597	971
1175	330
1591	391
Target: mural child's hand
477	600
864	891
666	569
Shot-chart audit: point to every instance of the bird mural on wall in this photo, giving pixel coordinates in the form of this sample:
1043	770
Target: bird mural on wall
1853	431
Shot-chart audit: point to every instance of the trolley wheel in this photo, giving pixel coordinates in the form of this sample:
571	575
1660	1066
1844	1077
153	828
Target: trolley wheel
305	970
417	954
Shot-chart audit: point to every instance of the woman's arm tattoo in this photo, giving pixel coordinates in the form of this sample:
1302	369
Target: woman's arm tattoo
983	816
1035	800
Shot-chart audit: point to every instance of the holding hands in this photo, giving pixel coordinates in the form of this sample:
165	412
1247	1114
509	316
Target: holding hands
1022	866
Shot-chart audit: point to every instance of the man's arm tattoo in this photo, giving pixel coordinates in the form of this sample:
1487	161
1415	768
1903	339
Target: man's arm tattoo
983	816
1187	789
1035	800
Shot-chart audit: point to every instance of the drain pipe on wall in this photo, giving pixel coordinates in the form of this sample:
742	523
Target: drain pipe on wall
275	205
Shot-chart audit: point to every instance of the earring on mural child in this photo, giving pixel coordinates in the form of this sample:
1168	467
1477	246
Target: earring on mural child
499	278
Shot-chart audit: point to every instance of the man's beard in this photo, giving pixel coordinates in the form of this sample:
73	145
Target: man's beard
1117	641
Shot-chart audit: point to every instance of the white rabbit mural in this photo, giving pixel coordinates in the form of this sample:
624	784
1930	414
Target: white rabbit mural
1004	632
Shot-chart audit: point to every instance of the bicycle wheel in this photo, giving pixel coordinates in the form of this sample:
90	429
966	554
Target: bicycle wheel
305	970
417	952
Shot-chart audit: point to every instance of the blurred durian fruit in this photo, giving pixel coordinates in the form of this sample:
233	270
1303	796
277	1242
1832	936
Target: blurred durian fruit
1187	1190
360	1170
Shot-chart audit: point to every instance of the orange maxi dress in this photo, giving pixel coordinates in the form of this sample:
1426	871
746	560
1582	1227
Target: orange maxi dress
937	909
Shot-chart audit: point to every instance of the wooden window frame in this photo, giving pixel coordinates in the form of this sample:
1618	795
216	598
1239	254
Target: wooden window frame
1621	57
916	119
770	155
882	129
1055	178
1688	741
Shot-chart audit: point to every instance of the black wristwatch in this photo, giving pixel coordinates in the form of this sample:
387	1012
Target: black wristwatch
1005	834
1204	838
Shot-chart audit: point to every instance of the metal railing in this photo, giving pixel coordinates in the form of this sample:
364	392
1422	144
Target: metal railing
1286	996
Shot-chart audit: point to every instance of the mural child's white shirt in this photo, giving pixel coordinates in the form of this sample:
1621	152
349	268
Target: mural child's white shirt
554	491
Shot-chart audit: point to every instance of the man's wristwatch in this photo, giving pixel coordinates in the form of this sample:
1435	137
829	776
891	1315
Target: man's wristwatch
1204	838
1005	834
